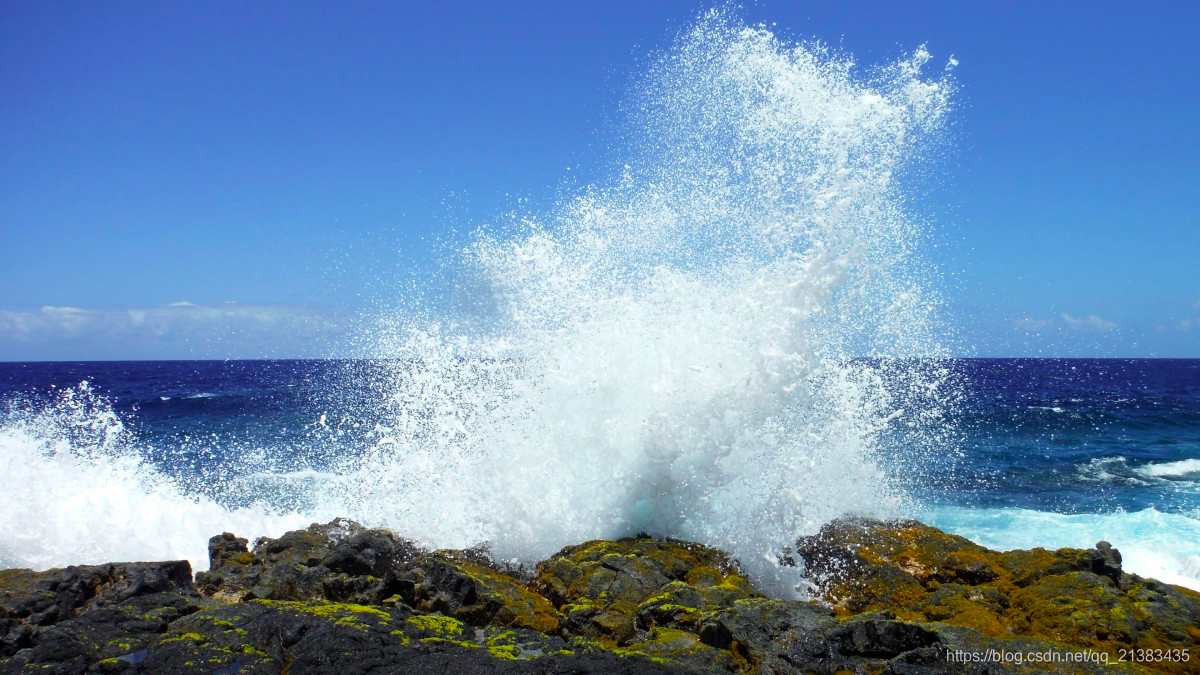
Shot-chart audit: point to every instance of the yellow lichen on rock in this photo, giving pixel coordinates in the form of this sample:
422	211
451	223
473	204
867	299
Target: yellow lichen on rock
436	626
609	590
1075	597
448	583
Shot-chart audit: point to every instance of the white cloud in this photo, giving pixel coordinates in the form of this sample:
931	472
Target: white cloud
1028	324
181	329
1181	326
1091	322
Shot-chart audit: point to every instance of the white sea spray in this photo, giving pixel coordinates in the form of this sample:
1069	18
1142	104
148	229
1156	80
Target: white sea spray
710	347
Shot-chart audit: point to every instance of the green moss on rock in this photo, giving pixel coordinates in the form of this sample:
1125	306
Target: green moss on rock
436	626
476	593
669	645
1074	597
609	590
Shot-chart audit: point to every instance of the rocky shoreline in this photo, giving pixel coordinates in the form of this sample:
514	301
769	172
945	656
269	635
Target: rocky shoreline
897	597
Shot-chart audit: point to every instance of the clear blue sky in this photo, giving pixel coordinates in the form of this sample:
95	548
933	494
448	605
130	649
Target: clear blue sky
297	158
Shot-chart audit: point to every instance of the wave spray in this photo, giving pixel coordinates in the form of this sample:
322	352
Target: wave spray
715	347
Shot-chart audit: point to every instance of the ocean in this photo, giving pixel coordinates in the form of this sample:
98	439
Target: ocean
149	458
734	335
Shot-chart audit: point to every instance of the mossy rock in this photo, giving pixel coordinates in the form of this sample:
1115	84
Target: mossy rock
351	599
683	604
344	562
523	645
322	637
72	619
614	591
767	635
1074	597
340	561
669	645
476	593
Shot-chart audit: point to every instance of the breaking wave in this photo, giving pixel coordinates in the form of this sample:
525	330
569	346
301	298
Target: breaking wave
76	489
714	346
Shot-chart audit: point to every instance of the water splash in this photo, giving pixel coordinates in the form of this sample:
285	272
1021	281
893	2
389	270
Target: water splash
75	489
710	347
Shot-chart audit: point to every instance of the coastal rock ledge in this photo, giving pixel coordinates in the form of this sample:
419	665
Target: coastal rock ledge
897	597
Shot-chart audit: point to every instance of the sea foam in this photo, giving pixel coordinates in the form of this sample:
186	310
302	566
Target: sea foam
1185	468
75	489
1164	546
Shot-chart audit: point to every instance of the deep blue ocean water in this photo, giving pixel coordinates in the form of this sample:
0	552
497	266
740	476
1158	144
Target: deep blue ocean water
1080	435
1066	435
1053	451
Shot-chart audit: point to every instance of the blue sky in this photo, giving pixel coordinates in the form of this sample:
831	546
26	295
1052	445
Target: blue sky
281	167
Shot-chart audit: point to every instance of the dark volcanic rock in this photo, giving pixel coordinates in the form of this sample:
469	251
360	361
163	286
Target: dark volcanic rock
1073	597
883	639
1104	560
345	562
341	561
772	635
44	598
71	618
341	598
479	594
614	591
263	636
